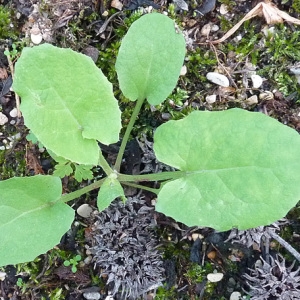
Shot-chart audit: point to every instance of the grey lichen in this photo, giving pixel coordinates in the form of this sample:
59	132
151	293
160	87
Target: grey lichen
274	280
125	249
254	235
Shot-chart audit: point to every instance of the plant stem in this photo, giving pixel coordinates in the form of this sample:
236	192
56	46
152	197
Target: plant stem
104	164
285	244
151	177
142	187
125	179
134	115
78	193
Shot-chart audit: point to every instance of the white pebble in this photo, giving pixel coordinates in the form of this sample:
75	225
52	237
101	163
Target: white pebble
215	277
13	113
36	35
84	210
36	38
215	28
211	99
116	4
269	31
183	70
218	79
235	296
91	295
205	30
3	119
256	81
2	275
88	259
223	9
252	100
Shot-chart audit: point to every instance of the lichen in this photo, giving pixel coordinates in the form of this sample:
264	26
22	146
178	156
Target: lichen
125	249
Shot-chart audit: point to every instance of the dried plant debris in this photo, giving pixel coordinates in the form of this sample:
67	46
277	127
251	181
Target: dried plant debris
125	249
270	12
253	236
274	280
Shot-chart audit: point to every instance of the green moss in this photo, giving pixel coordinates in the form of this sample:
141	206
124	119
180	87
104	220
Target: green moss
6	26
296	5
271	54
12	163
229	3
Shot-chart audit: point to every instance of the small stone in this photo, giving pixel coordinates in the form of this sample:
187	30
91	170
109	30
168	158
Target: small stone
215	28
205	30
183	70
235	296
92	295
36	38
218	79
196	236
84	210
269	31
116	4
2	275
267	95
13	113
295	69
256	81
215	277
3	119
223	9
92	52
166	116
252	100
88	260
36	35
181	4
211	99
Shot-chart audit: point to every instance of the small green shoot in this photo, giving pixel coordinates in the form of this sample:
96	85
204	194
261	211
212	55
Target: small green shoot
73	262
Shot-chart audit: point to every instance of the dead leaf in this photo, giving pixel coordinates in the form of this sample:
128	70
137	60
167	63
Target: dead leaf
3	74
271	13
32	160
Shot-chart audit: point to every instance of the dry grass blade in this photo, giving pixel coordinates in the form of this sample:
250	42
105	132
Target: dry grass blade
271	13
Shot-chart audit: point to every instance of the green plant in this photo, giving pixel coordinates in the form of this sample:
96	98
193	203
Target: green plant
13	53
73	262
6	26
233	167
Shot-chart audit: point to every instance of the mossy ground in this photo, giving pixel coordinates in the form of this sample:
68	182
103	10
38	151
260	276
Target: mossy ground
271	54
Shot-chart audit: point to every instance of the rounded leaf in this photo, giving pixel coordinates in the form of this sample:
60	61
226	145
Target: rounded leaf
241	169
150	58
67	102
31	222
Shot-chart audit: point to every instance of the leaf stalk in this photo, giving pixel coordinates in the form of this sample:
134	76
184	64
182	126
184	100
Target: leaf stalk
135	113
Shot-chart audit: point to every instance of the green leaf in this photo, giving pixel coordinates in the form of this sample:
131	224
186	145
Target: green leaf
63	169
109	191
67	263
241	169
150	58
67	102
83	172
32	138
31	220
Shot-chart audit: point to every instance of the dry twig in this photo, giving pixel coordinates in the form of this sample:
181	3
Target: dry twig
271	13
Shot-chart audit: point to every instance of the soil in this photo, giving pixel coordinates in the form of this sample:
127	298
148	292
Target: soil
186	255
